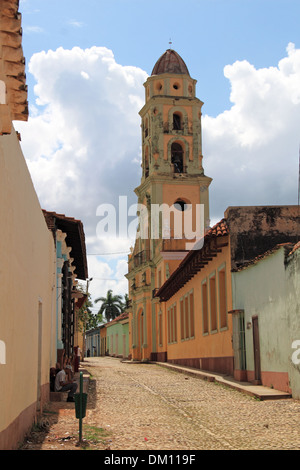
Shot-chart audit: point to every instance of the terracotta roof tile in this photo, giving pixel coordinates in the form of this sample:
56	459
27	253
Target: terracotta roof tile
12	66
218	230
122	316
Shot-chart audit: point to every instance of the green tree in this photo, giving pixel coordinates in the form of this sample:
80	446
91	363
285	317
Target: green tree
125	302
112	306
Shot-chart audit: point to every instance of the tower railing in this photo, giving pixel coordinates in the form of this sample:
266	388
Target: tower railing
141	258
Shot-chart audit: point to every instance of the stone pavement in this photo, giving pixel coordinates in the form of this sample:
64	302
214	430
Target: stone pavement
154	408
146	406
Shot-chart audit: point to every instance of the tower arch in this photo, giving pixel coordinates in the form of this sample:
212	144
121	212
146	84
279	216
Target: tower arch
178	154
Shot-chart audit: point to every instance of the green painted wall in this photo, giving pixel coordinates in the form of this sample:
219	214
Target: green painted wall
118	339
270	289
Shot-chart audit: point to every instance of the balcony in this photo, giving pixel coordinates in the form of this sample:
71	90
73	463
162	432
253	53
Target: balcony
141	258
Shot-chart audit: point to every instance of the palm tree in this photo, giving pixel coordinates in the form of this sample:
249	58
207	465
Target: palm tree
125	302
112	305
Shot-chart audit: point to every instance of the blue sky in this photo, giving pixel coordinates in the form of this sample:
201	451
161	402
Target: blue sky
208	34
82	140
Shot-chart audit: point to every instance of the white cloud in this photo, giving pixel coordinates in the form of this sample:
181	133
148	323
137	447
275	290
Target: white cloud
82	141
76	24
33	29
251	150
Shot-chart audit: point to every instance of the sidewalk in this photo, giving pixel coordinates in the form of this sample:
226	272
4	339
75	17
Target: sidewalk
259	391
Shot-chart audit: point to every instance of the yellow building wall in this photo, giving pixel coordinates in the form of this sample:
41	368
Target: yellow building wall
214	344
79	333
27	292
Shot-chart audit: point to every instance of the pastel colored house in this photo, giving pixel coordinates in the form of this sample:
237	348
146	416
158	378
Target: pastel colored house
266	318
103	341
117	336
194	328
93	342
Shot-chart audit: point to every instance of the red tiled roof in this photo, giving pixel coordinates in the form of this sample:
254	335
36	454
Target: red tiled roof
50	216
218	230
122	316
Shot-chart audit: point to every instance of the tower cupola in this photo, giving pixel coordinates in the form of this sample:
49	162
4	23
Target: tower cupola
170	62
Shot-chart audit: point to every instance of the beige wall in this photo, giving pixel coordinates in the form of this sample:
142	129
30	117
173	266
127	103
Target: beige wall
27	292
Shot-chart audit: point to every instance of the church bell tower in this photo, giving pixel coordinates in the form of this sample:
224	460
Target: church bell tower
172	177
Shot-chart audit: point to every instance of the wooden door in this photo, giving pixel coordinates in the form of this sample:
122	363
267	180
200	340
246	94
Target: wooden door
256	350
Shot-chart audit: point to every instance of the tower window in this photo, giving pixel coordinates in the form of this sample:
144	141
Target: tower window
177	157
180	205
146	128
176	122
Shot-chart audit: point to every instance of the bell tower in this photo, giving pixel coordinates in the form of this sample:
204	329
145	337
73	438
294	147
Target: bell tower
171	121
172	177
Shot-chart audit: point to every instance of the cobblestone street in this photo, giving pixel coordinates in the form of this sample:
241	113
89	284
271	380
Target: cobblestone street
147	407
